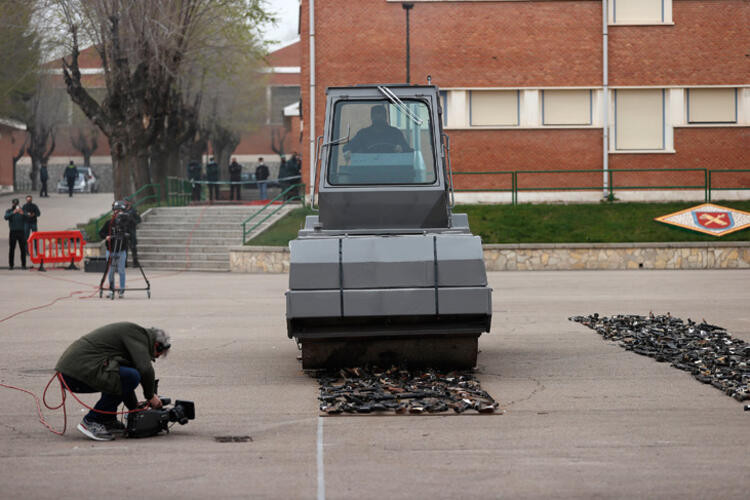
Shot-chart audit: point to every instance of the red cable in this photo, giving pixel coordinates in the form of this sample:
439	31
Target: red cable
63	386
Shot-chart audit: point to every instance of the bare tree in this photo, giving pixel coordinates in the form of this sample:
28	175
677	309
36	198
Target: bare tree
86	141
42	114
145	48
278	139
20	55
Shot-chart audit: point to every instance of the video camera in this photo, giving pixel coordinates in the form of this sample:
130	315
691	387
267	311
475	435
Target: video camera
151	422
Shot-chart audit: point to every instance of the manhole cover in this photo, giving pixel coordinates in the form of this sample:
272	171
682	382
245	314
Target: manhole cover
233	439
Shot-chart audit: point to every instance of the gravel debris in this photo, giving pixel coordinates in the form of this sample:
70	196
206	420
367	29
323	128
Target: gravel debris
402	391
707	351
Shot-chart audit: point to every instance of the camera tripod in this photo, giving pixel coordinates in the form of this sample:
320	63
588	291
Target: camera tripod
116	243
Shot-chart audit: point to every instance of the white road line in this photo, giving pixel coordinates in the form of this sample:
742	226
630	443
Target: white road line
321	472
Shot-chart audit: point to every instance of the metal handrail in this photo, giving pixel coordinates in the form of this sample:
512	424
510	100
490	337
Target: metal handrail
710	187
178	191
245	231
515	188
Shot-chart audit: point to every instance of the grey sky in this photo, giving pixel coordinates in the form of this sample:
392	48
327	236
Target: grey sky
287	12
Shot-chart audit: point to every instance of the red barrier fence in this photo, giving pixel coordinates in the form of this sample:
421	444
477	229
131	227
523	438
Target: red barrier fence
54	247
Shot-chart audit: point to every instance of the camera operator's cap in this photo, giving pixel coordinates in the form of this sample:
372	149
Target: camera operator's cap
119	205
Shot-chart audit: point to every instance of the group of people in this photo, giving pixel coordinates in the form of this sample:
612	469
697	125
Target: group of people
289	169
22	221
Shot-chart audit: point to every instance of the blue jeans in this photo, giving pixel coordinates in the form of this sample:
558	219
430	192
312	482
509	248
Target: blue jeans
129	380
118	260
263	188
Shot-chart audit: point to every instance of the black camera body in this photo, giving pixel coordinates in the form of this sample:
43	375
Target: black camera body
150	422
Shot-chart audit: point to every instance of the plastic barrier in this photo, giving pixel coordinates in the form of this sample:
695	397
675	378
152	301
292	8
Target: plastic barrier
54	247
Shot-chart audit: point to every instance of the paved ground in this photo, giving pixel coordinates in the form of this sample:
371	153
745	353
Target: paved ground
583	417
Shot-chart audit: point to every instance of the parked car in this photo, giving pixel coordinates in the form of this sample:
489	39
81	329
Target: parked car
85	183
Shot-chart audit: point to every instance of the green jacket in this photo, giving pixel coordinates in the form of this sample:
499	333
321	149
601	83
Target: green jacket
95	358
17	222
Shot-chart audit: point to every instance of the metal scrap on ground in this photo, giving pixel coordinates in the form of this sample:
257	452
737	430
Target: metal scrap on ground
360	390
707	351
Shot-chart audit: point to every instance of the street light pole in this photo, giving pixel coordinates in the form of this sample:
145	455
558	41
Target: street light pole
407	7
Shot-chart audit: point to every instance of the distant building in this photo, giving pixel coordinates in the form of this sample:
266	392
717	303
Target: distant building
524	87
12	136
282	90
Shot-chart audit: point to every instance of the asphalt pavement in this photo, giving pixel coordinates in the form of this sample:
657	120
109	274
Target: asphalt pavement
583	418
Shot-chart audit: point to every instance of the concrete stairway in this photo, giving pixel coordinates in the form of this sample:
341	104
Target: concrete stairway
195	238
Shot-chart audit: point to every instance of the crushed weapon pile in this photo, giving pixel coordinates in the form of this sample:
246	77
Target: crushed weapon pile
399	390
706	351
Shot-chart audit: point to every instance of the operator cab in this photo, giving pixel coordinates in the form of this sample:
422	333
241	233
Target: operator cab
383	162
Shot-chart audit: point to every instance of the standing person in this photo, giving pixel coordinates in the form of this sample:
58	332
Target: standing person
284	173
43	177
71	174
212	176
17	222
194	173
133	220
235	173
113	360
261	174
31	211
294	167
114	231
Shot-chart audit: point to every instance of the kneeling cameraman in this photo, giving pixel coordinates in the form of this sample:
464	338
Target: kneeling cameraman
113	360
116	232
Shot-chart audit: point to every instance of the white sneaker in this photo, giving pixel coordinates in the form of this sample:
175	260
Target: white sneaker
94	430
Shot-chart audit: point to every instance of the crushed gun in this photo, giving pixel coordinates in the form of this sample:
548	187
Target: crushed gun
361	390
707	351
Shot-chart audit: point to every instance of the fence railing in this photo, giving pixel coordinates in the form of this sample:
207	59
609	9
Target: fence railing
179	191
614	178
299	188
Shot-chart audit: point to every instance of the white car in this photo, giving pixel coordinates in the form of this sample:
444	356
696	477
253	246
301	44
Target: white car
86	182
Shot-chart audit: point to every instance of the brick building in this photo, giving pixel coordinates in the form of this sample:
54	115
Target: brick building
12	135
524	84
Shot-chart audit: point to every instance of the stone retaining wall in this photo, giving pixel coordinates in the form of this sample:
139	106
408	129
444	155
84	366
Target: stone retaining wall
546	257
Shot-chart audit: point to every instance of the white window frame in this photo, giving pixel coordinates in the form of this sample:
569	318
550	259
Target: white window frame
566	125
725	122
456	108
679	107
666	16
518	109
667	123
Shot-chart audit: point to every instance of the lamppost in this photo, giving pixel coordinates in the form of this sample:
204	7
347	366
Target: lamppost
407	7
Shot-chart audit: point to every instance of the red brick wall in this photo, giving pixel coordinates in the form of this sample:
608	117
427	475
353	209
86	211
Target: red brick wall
10	141
708	44
528	44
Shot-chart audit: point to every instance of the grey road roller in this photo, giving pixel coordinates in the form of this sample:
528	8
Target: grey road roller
386	273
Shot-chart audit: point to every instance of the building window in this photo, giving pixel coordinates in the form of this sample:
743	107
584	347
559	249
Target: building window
444	106
641	11
712	105
639	120
494	108
567	107
282	97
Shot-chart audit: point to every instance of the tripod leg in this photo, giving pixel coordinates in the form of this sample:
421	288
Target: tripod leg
104	276
148	284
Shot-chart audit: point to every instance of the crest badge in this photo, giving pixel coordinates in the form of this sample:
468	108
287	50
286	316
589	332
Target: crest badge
709	219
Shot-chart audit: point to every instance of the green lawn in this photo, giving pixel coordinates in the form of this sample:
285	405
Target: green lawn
543	223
